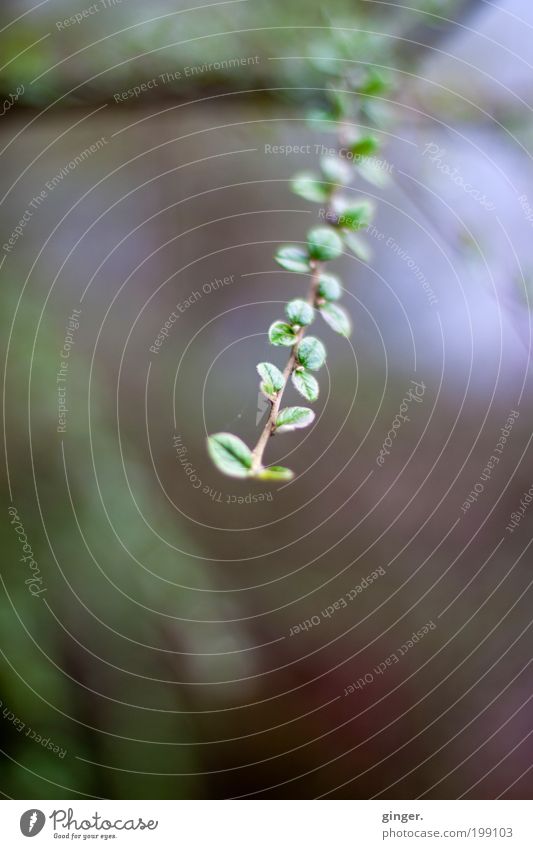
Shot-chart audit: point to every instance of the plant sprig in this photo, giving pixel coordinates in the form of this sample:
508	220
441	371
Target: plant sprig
351	97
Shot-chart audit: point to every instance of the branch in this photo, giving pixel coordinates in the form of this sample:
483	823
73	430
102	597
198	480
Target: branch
270	425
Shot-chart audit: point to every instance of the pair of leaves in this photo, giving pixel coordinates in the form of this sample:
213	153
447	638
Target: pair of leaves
316	188
323	244
233	457
310	355
353	215
311	352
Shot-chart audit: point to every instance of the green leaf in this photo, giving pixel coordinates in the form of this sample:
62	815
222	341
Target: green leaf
337	318
280	333
306	384
311	353
376	82
329	287
230	454
293	258
373	172
355	216
300	312
310	187
335	169
364	146
324	243
358	247
323	121
291	418
340	101
322	55
275	473
272	378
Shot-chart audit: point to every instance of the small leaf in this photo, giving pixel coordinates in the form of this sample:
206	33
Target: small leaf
329	287
364	146
335	169
311	353
272	378
324	243
376	82
337	318
293	258
358	247
373	172
323	121
306	384
340	101
310	187
321	57
355	216
275	473
377	112
230	454
300	312
291	418
280	333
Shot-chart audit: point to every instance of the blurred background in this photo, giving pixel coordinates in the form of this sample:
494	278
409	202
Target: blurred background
149	606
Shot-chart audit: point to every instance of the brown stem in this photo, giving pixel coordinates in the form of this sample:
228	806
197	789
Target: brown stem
268	430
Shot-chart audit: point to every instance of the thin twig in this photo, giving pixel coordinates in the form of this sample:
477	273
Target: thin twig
312	295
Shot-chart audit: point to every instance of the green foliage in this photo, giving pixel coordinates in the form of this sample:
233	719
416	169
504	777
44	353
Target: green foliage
291	418
323	121
311	353
374	173
300	312
280	333
364	146
329	287
273	380
337	318
324	244
310	187
293	258
275	473
354	98
353	215
305	383
230	455
335	169
358	247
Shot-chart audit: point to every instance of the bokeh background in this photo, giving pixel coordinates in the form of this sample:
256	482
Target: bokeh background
158	661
